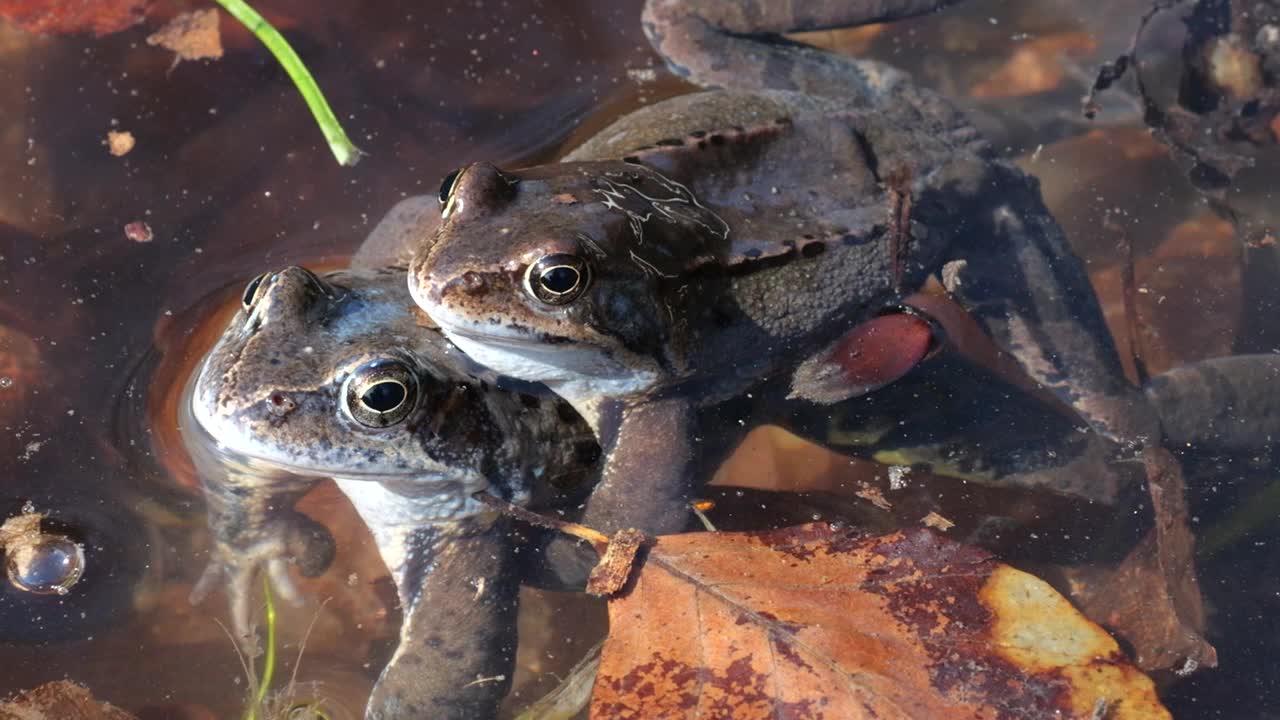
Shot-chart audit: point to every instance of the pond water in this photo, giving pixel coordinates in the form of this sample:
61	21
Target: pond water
99	331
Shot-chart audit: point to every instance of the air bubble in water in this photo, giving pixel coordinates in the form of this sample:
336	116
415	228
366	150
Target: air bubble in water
48	564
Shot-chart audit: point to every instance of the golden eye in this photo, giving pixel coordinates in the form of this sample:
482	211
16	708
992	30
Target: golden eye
558	279
380	393
251	291
446	186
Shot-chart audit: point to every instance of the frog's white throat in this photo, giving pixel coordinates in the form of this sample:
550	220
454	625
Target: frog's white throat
581	376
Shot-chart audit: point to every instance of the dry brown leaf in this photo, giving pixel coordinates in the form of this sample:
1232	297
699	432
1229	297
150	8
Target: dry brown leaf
818	622
1152	598
59	700
191	36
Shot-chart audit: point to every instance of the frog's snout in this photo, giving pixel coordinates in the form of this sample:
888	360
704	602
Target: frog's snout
467	286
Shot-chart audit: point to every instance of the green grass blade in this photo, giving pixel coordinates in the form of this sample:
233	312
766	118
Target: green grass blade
269	662
343	149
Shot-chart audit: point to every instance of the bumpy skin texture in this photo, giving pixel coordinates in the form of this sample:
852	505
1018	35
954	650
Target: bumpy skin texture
270	414
732	233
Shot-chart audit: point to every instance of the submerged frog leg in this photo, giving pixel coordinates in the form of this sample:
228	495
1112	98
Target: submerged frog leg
1014	271
255	527
737	44
1221	404
456	653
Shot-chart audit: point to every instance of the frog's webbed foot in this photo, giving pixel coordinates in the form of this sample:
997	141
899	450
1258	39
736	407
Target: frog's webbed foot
289	538
737	44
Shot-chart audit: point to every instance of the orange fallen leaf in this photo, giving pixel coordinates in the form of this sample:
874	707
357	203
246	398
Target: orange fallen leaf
1035	66
820	622
58	17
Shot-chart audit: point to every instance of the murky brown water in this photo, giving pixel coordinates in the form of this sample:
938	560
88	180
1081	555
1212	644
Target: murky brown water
97	331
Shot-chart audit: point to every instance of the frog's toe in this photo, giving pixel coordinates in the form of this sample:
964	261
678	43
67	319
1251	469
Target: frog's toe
281	583
240	596
213	572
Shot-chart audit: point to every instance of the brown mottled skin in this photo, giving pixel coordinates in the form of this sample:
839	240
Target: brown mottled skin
269	416
733	232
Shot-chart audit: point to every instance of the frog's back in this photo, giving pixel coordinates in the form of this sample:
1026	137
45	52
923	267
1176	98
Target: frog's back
811	188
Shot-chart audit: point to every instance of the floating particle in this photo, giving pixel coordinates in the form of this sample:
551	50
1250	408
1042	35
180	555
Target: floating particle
120	142
898	476
138	231
937	522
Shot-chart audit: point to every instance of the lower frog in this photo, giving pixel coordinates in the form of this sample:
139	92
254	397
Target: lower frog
333	376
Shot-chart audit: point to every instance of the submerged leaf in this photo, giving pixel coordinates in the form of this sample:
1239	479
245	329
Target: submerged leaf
821	622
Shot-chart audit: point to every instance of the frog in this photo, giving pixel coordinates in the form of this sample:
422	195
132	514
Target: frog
714	245
331	376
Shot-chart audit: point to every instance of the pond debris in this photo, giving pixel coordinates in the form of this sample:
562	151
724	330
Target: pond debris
610	575
937	522
1152	598
139	232
898	476
60	700
120	142
1228	105
190	36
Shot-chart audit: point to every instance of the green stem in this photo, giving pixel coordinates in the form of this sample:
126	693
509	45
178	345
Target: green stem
343	149
269	662
1257	512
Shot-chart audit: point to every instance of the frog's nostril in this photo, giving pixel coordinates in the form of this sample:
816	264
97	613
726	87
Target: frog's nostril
280	404
468	283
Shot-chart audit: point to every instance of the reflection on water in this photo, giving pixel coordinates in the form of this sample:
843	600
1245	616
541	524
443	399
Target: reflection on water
98	331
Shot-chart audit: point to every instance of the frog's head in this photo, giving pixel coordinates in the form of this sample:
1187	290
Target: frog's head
334	376
563	272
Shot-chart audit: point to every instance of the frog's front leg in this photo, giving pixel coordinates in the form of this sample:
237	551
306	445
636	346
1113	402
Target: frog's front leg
255	527
458	588
651	456
735	44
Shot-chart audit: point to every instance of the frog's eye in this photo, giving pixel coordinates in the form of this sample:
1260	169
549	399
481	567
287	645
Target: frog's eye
557	279
446	186
381	393
251	291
